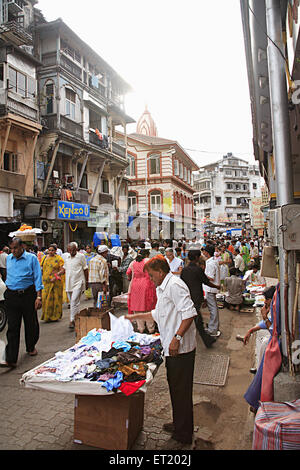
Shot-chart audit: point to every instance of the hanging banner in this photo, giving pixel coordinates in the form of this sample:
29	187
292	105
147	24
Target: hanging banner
256	213
72	211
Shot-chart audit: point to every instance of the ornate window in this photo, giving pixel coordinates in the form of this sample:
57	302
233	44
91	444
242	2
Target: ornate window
155	201
154	164
131	168
132	202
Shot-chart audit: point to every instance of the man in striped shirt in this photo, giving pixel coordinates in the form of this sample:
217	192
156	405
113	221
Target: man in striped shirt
99	273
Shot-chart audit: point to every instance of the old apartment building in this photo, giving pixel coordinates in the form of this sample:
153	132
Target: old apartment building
224	190
60	106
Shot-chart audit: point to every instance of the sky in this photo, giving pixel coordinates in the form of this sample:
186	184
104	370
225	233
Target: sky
185	61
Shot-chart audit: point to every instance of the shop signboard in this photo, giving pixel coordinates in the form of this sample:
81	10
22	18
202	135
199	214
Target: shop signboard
257	215
71	211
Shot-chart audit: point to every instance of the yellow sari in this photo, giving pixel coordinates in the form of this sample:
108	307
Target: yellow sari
53	291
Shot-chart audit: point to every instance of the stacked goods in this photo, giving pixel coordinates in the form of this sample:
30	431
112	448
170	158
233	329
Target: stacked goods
26	233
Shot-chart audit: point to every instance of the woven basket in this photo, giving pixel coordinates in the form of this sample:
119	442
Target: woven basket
27	237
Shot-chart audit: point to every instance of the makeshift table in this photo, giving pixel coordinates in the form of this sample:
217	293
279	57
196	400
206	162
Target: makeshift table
103	419
120	300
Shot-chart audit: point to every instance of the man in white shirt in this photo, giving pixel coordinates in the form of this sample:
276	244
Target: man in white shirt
176	264
99	273
239	263
174	315
3	256
254	254
212	271
254	276
76	279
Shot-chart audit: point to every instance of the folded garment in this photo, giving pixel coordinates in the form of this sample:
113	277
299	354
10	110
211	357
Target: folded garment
132	356
105	377
111	353
113	383
105	363
128	388
132	368
145	350
135	377
122	345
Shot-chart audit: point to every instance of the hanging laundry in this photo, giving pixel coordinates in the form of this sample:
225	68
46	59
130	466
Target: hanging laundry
98	134
69	195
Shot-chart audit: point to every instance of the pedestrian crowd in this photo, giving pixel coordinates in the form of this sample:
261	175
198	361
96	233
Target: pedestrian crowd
167	284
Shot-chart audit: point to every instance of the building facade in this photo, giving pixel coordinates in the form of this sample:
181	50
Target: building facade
160	177
223	191
60	107
19	111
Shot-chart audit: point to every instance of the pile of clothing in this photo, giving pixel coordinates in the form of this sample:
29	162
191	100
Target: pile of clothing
117	365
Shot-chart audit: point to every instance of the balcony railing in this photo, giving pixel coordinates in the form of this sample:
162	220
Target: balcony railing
94	139
118	149
13	181
71	127
105	199
82	196
14	32
49	59
66	125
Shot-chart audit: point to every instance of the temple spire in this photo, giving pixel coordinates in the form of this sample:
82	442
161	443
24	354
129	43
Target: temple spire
146	124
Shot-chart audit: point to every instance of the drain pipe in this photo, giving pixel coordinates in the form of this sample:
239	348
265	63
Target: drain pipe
282	153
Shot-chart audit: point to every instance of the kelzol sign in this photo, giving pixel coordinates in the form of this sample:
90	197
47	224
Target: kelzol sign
72	211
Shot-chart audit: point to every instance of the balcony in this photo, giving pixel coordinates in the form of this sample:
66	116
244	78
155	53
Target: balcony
71	127
118	149
105	199
49	59
233	190
13	32
94	139
82	196
71	67
12	181
66	125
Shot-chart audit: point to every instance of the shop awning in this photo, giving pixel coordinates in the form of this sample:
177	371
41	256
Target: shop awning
162	216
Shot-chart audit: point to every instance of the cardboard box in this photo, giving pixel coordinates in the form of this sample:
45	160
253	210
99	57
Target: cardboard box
91	318
110	422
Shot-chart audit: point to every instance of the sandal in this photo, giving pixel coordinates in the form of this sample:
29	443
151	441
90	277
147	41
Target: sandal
33	353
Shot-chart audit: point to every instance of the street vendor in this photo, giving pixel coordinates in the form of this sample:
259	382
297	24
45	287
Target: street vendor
174	314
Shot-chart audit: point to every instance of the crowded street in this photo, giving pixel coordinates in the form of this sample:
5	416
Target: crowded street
38	420
149	228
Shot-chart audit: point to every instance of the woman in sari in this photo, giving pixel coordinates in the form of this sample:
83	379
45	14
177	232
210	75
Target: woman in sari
245	254
89	254
53	270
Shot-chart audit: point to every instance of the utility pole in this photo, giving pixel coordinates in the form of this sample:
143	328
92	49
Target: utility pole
282	154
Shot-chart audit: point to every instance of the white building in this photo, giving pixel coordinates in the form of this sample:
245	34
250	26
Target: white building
223	191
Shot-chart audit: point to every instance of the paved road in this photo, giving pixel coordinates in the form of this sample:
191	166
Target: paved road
32	420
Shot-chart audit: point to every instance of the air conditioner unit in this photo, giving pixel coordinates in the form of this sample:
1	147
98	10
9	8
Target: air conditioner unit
46	226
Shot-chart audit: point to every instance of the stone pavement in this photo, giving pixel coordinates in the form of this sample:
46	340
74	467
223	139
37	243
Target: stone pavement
37	420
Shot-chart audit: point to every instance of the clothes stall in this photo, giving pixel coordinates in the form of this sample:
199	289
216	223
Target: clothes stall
108	371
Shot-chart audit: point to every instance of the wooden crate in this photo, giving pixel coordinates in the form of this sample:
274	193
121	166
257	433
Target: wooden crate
110	422
91	318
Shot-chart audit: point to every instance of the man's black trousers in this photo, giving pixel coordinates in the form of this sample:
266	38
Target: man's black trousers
180	375
18	307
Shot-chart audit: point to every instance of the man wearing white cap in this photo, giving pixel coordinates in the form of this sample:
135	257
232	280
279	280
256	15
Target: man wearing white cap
99	273
76	279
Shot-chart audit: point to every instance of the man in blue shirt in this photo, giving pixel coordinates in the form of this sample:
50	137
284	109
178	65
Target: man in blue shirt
23	298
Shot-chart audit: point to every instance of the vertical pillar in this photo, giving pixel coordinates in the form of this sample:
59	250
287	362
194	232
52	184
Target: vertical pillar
282	148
